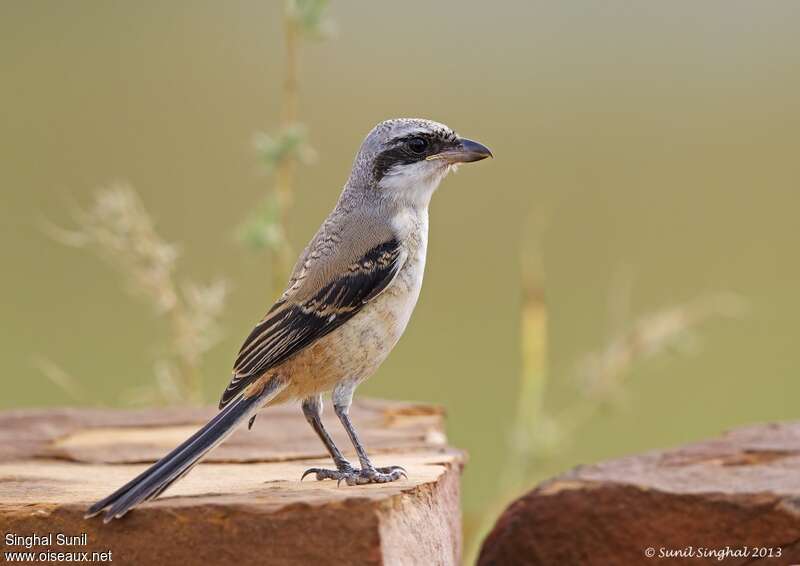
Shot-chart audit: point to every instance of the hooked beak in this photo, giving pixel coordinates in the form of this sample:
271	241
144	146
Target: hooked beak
466	151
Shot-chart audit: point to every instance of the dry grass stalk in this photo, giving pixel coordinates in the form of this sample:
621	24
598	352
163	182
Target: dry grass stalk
118	227
61	379
538	434
603	373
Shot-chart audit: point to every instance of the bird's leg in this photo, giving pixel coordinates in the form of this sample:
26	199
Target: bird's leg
312	409
342	399
368	473
344	472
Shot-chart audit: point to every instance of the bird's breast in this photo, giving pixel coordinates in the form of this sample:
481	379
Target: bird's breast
355	349
368	338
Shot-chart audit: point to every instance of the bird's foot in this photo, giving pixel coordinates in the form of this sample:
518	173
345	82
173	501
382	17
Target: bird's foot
354	476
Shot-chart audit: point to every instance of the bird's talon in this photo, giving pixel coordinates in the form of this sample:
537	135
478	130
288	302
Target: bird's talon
353	476
392	469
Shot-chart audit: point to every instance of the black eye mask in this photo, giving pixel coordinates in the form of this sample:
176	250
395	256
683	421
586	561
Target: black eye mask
407	150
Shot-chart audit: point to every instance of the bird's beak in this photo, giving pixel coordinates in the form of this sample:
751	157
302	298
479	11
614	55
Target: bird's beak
466	151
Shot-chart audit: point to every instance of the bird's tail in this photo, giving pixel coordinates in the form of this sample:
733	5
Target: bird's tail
158	477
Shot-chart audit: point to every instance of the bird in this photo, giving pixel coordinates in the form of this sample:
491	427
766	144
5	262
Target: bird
347	303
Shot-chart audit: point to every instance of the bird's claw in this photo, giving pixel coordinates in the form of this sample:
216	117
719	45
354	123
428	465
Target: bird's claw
354	476
323	474
393	469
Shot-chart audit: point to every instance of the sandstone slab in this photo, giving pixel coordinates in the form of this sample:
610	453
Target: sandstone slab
245	503
730	500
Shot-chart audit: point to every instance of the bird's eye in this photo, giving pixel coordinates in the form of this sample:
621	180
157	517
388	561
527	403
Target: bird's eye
417	145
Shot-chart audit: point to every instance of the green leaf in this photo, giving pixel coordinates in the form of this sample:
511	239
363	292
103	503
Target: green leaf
288	143
309	17
262	229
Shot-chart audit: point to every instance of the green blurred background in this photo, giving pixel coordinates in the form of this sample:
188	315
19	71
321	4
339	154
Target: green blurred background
661	140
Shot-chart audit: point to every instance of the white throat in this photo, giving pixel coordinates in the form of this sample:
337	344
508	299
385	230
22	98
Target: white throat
415	183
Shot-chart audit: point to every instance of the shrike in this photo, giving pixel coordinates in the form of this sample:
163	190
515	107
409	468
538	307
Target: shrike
346	305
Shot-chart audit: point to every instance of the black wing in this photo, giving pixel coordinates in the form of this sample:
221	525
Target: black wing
290	326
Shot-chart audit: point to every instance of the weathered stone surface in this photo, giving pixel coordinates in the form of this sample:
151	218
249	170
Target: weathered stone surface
738	495
244	504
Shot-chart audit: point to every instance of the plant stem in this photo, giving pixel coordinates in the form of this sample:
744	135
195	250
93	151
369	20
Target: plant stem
284	174
285	170
515	472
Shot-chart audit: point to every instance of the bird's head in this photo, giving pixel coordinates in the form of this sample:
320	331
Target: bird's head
405	159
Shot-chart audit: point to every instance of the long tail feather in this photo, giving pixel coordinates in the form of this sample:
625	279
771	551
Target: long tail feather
158	477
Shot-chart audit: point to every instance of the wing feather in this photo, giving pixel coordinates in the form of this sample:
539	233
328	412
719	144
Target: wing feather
292	325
